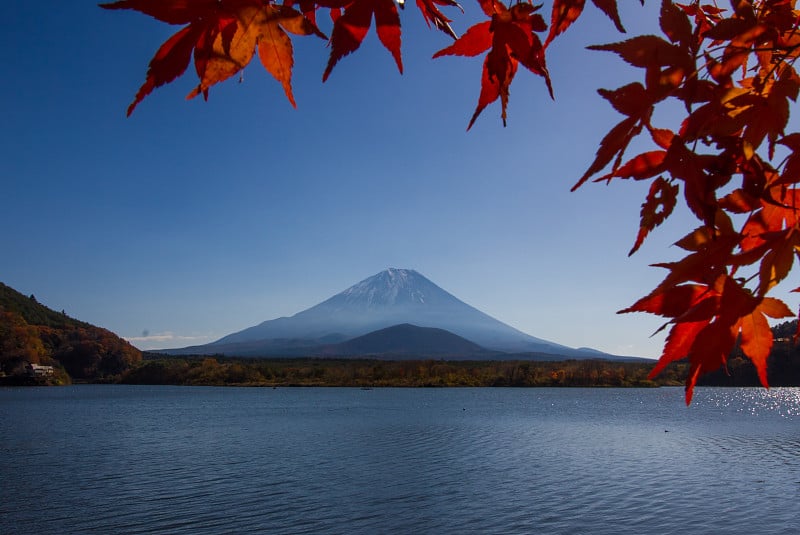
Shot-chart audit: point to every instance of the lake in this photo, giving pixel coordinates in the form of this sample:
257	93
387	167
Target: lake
144	459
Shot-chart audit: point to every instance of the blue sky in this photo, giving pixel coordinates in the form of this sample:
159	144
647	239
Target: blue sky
191	220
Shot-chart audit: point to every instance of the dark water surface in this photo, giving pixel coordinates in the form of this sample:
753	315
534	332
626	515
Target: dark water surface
142	459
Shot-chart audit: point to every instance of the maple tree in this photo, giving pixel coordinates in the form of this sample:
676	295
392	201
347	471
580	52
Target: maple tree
729	68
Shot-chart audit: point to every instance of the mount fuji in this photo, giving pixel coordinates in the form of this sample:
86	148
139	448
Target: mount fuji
389	298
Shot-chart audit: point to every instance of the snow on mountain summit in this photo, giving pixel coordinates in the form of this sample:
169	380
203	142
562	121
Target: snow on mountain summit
389	287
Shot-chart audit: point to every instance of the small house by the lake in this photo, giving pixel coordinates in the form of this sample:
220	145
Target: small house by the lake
38	370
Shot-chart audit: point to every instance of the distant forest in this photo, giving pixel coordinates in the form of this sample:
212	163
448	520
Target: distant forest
401	373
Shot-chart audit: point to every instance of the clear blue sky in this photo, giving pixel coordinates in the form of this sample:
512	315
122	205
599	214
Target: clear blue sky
191	220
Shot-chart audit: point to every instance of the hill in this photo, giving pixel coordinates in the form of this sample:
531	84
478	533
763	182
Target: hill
407	339
33	333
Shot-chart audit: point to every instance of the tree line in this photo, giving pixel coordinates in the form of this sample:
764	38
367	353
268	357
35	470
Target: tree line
219	371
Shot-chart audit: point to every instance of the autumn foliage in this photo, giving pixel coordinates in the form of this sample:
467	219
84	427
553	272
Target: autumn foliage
729	69
32	333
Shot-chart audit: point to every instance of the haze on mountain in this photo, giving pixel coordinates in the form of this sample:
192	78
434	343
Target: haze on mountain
390	298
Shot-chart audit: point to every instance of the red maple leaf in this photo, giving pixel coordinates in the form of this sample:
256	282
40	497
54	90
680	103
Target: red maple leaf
224	36
678	344
511	39
350	28
709	351
656	209
169	11
434	16
275	47
565	12
757	336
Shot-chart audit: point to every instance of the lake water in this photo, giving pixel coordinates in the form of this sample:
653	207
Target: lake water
143	459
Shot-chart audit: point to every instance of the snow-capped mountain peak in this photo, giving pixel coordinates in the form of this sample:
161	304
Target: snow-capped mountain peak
389	287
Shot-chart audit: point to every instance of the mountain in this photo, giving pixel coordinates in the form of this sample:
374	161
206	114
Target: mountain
31	332
391	297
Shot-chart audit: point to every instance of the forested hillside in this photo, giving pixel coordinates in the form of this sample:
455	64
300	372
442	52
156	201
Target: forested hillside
33	333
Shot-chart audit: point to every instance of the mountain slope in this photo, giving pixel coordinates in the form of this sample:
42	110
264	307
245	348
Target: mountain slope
31	332
391	297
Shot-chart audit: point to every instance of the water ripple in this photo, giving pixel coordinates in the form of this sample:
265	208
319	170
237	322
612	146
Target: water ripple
204	460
